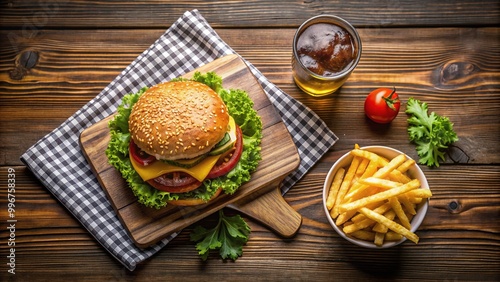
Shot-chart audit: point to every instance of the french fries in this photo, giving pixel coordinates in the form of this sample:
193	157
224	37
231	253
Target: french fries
334	188
374	198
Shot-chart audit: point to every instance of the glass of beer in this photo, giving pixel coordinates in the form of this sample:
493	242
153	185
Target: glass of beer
326	49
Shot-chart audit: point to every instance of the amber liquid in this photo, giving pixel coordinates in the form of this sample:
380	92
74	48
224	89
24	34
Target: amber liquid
313	85
325	52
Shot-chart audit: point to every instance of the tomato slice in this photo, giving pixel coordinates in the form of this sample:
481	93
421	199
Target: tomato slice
175	182
139	155
229	160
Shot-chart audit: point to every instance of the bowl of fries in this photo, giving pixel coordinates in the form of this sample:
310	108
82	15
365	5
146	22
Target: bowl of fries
376	197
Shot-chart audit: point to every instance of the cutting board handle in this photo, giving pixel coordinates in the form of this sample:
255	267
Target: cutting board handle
273	211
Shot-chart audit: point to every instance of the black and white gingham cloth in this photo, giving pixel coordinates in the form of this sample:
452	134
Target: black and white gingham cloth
189	43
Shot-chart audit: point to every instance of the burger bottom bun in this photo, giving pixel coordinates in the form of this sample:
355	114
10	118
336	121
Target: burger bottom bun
194	202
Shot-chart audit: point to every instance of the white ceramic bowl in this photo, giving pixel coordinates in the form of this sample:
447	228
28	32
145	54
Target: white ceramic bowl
413	172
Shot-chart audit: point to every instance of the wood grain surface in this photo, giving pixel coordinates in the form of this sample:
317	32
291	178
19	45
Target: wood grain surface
56	56
243	14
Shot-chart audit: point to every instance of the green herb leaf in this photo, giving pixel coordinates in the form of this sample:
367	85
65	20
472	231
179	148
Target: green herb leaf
228	236
432	133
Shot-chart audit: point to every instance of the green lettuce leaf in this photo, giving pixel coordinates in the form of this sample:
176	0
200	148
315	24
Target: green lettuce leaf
431	133
239	105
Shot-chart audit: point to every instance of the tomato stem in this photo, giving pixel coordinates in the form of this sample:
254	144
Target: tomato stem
390	101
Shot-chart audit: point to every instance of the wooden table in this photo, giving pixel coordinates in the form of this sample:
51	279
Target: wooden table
58	55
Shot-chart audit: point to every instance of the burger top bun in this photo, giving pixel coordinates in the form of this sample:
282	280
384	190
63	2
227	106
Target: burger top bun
178	120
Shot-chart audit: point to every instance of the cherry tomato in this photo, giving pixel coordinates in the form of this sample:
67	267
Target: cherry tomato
382	105
227	162
139	155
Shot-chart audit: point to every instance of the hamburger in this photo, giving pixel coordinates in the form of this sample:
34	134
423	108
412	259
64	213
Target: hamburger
182	142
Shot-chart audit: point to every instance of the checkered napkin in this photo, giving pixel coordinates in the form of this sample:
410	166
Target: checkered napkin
189	43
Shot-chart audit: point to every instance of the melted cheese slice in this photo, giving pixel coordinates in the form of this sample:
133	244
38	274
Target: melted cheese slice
199	171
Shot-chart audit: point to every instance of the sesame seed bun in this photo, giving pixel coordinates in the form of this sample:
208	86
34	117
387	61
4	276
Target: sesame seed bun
178	120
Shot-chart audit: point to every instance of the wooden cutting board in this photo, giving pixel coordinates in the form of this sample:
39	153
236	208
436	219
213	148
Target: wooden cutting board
259	198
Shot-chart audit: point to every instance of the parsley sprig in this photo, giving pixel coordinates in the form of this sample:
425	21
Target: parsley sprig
228	236
431	133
